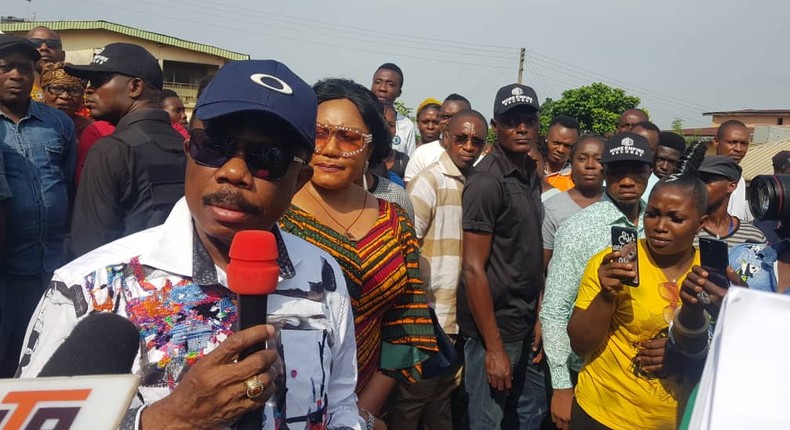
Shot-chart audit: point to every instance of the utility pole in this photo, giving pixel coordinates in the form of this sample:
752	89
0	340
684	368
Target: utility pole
521	64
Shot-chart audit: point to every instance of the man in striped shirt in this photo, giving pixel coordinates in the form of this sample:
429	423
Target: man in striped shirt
721	176
435	194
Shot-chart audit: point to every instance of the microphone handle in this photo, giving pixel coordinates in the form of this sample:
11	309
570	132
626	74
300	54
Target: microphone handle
251	312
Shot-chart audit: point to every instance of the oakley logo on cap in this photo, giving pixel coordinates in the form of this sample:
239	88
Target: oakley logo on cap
284	88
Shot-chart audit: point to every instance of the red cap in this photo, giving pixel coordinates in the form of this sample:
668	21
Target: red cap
253	268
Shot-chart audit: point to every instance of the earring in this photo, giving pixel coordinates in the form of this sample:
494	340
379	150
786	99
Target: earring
365	177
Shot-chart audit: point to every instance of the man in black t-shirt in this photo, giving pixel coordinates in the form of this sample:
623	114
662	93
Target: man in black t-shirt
502	272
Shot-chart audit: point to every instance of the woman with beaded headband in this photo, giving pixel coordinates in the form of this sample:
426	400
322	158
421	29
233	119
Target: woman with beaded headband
372	239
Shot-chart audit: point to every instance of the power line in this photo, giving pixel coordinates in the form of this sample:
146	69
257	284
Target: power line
646	101
348	35
376	32
662	100
308	42
561	63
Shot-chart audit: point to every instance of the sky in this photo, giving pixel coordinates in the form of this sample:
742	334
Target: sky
680	57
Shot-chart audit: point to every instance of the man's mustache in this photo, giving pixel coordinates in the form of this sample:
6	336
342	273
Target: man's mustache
228	197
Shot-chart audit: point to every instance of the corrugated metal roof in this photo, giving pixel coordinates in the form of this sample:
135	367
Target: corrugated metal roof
758	160
128	31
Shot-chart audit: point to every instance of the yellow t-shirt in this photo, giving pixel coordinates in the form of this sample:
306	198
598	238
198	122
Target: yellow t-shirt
611	387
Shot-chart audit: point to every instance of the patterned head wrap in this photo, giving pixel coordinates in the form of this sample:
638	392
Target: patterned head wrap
53	74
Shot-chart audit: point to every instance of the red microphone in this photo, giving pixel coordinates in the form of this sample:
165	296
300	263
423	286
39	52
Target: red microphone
252	274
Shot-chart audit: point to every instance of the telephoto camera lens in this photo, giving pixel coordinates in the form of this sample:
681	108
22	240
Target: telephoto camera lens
769	197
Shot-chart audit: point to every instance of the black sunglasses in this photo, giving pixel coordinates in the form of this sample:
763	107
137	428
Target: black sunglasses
268	163
51	43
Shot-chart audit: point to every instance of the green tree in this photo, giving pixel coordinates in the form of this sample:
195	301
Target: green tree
677	125
597	107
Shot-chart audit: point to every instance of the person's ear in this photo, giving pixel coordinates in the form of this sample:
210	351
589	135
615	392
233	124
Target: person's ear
136	87
400	91
702	221
731	187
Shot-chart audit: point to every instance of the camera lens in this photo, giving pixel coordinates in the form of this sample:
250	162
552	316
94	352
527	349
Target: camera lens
769	197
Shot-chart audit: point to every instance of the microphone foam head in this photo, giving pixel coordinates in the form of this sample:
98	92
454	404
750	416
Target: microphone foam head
100	344
253	268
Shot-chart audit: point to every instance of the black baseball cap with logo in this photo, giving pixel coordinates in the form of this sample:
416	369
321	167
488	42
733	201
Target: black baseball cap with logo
514	95
627	147
9	43
124	59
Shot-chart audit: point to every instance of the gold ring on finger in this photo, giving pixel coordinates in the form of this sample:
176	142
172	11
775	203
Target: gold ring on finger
254	387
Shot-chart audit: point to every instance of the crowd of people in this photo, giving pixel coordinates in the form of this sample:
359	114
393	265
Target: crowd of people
428	278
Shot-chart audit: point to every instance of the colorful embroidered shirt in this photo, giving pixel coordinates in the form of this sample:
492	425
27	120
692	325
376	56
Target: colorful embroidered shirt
581	236
163	280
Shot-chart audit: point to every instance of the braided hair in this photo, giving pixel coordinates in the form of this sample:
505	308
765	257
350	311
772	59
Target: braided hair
692	158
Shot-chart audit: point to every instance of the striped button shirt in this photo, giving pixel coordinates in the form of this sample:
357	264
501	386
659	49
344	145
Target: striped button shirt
435	194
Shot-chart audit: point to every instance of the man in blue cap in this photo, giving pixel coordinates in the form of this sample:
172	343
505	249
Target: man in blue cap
243	168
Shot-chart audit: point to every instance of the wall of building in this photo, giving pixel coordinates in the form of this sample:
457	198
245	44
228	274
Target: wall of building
752	120
81	44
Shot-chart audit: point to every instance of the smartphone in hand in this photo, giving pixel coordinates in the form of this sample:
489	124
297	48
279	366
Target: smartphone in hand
624	240
714	256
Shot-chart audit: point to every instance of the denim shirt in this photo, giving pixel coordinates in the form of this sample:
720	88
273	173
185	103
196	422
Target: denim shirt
40	155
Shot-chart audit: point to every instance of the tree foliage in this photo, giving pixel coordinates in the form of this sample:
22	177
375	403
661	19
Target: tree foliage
677	125
597	107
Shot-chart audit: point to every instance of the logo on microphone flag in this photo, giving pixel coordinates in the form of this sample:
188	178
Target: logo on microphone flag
81	402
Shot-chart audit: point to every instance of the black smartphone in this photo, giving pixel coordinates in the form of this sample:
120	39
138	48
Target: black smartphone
714	256
624	240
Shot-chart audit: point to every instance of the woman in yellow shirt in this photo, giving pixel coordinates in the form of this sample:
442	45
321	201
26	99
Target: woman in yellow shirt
621	385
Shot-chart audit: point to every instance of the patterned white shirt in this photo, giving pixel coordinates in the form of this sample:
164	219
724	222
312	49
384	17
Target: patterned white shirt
577	240
164	281
404	140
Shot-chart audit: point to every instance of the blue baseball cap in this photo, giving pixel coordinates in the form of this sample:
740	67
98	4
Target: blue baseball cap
261	85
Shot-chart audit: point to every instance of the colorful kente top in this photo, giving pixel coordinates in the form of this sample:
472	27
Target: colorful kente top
393	325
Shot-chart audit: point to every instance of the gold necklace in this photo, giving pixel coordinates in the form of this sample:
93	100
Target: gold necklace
326	211
686	264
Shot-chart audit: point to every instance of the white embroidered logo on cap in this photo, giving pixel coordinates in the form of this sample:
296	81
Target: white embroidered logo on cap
517	96
284	88
627	148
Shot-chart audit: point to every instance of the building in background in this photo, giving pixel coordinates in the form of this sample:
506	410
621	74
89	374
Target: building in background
183	63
